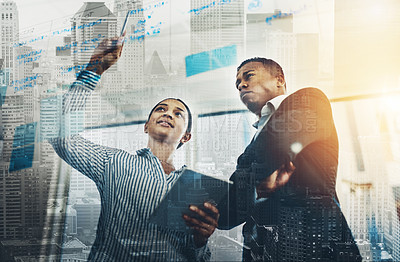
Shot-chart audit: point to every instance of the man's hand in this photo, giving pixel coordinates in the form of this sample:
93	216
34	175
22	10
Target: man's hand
204	224
105	55
275	181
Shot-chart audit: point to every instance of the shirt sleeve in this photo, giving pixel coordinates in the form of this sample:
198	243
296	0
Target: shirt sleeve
193	253
88	158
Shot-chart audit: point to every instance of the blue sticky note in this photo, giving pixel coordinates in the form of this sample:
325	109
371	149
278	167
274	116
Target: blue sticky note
3	92
223	57
21	158
210	60
197	63
24	135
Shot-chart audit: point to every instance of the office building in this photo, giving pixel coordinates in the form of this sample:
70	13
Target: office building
92	23
131	64
218	25
9	27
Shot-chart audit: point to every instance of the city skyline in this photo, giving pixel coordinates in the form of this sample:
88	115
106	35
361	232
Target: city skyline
308	41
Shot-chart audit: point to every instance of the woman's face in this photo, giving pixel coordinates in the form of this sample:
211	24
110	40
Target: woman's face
168	122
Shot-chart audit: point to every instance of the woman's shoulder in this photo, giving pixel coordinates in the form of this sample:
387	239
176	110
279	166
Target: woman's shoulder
129	156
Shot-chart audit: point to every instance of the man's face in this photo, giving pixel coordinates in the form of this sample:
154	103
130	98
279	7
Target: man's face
257	86
168	122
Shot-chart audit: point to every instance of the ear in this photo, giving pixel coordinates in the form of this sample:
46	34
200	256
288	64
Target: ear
146	128
186	137
280	81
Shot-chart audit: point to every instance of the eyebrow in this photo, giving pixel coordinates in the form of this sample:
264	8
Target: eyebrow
244	74
162	104
248	71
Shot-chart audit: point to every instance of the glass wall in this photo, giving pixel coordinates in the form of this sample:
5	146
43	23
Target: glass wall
190	50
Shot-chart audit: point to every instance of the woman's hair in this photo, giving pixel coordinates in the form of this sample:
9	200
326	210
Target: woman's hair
189	126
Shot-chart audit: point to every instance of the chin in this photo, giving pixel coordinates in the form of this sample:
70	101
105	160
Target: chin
253	107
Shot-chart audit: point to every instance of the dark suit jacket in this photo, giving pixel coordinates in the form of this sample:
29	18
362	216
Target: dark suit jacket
302	220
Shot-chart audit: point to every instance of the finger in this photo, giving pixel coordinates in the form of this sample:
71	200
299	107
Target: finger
282	180
203	215
288	169
210	215
203	232
212	209
284	177
120	40
109	45
193	222
188	220
291	166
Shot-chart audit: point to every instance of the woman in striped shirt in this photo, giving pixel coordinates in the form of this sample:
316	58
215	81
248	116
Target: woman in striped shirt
132	185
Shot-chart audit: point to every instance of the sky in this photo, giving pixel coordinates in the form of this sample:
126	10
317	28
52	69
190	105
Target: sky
39	12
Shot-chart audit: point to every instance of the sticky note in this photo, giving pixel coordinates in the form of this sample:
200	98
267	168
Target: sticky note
223	57
197	63
3	92
24	135
21	158
210	60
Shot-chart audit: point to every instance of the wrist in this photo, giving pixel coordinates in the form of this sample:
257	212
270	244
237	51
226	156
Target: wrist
94	68
199	241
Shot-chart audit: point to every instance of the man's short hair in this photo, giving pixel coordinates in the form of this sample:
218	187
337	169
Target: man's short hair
273	67
189	126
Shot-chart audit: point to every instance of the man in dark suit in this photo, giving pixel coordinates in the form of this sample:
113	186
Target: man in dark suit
284	183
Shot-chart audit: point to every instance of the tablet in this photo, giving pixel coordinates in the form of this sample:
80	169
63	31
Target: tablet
191	188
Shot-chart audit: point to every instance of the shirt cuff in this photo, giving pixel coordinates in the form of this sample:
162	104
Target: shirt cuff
201	253
89	79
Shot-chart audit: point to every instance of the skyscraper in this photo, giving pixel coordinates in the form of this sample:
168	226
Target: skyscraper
10	205
92	23
9	35
12	117
218	25
63	61
24	68
131	63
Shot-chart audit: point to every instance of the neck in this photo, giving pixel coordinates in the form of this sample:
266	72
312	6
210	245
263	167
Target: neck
163	151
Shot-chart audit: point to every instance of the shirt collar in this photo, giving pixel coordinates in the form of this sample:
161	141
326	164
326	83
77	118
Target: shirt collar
270	107
146	152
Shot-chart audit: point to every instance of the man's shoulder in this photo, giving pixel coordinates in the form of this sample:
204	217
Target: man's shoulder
309	91
305	96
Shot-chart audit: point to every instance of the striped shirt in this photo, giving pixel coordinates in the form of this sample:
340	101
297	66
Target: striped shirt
130	186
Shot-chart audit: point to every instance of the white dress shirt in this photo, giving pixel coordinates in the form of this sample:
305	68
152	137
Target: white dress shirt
266	112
